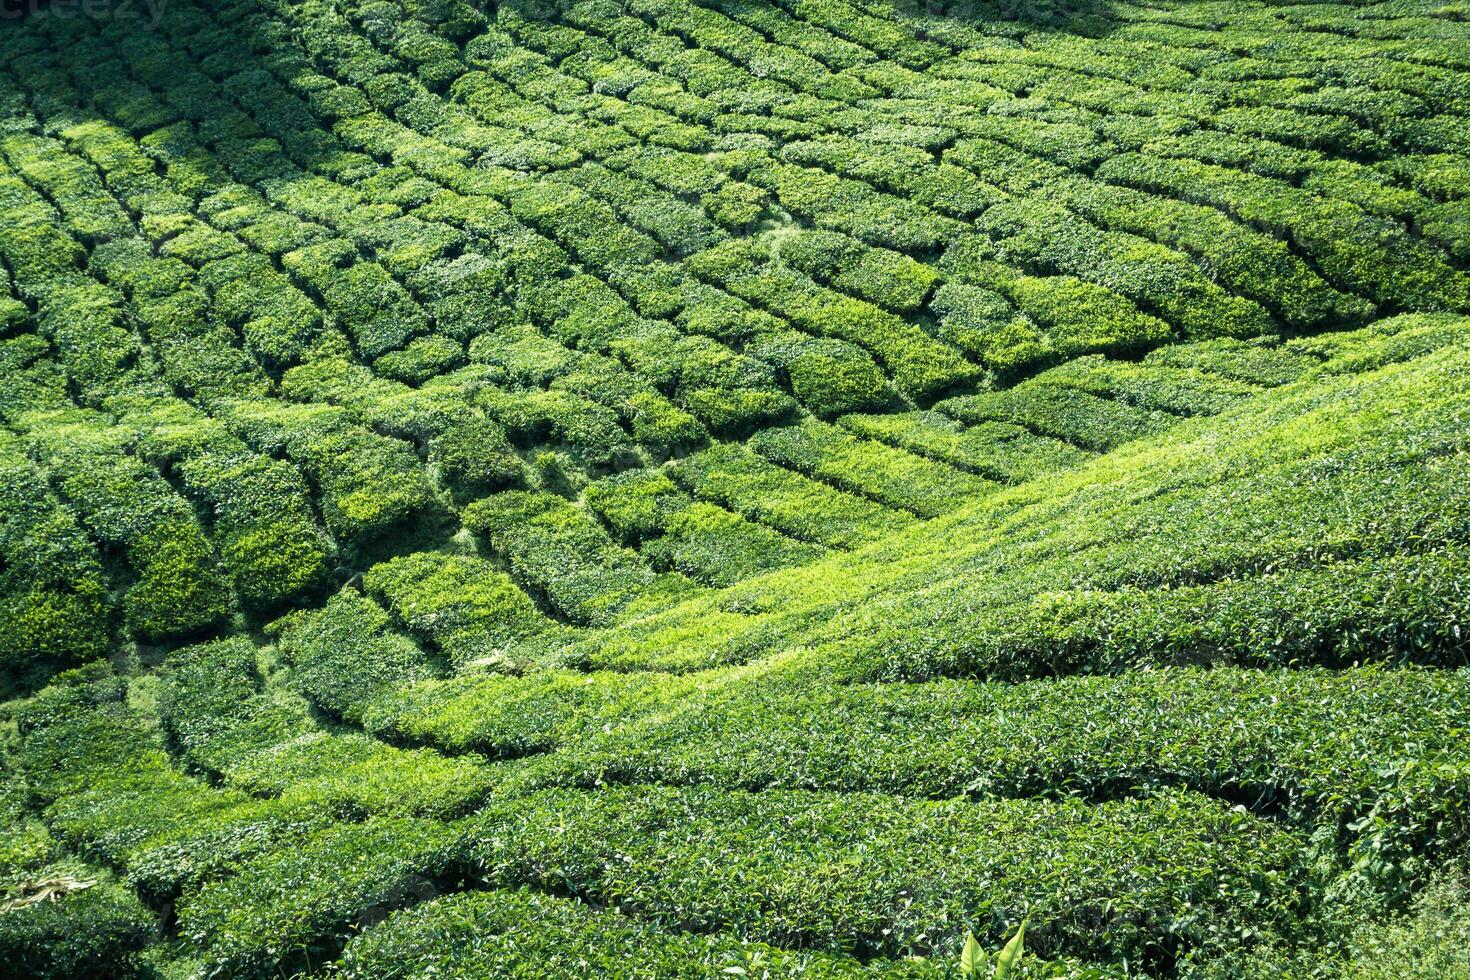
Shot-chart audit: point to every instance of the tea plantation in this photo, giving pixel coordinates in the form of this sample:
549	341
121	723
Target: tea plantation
734	488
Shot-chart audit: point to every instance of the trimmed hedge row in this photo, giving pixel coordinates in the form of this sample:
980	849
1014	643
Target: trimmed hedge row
421	360
1178	391
37	251
462	605
277	321
527	934
1274	566
829	376
713	545
909	171
1387	781
380	403
562	554
679	227
198	354
87	324
1347	179
1262	362
57	606
1063	316
654	420
366	484
674	531
920	365
363	296
508	717
890	476
104	784
1404	609
37	382
1248	261
914	875
984	324
1061	412
342	654
176	587
1360	252
737	478
471	451
94	931
262	523
296	906
87	927
214	709
722	389
701	859
1041	236
891	279
86	210
994	450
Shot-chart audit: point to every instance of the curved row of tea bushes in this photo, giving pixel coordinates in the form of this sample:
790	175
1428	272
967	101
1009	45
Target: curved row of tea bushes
510	716
365	483
563	554
1061	412
1224	871
920	365
1178	391
261	518
1251	263
386	863
914	875
890	476
61	916
1062	316
1347	242
737	478
891	279
465	607
220	721
299	895
1387	781
56	605
999	451
343	653
701	540
175	588
99	776
829	376
1049	239
523	933
1262	362
470	449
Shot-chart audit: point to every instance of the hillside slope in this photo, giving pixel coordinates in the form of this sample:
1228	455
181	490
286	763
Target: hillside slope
674	488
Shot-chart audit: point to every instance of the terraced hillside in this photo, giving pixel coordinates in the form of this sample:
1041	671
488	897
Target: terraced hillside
702	488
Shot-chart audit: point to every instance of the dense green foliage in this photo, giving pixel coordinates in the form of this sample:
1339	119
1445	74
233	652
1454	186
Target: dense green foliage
704	488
